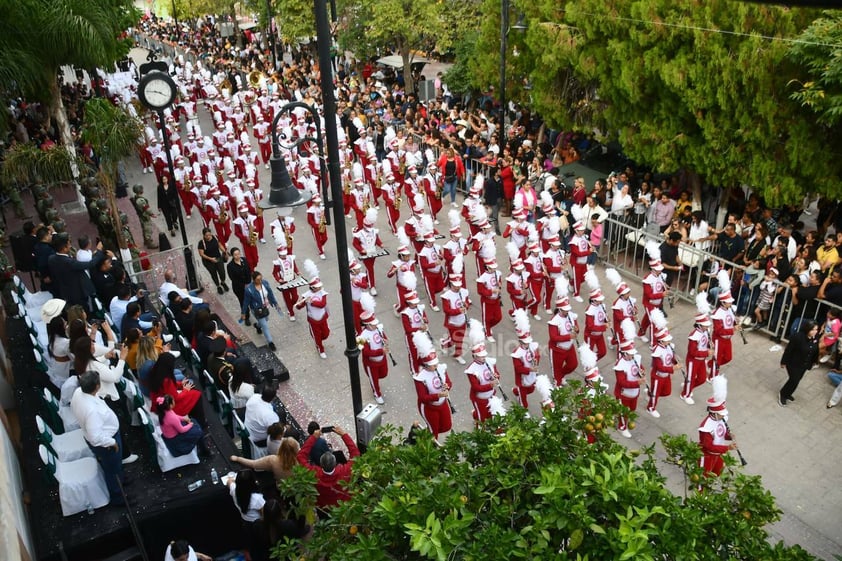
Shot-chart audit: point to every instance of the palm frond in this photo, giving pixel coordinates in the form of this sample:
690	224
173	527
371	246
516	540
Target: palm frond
28	164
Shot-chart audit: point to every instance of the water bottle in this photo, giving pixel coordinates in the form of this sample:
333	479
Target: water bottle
214	476
195	485
89	507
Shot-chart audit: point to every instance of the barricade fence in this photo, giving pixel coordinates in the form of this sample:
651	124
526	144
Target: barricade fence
623	248
149	270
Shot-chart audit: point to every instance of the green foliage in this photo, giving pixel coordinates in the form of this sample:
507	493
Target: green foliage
112	131
294	19
28	164
818	52
523	489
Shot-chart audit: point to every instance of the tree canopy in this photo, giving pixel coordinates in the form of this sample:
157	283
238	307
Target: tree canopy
522	488
819	52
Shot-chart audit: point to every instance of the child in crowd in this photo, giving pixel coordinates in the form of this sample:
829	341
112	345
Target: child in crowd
830	335
180	434
768	290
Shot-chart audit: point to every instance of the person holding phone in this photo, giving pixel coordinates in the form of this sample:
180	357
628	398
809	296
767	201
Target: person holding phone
187	399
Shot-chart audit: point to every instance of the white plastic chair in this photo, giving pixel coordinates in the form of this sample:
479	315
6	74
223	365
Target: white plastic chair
166	461
80	482
61	414
68	446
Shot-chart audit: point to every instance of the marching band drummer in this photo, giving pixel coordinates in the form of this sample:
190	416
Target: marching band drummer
285	270
374	346
359	286
367	243
315	300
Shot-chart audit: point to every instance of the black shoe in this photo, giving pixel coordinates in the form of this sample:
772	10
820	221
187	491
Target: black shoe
259	331
172	233
225	287
248	321
220	290
790	398
781	401
272	347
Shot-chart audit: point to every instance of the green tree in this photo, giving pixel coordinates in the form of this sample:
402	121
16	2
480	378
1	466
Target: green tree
524	489
294	19
818	53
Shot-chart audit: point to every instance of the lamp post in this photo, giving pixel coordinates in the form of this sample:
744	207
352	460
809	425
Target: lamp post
284	194
504	48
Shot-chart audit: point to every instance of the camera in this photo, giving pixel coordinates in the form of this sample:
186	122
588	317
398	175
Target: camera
327	429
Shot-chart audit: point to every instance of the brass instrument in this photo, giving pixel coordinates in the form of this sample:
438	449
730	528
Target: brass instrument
398	199
366	203
225	85
256	78
287	235
252	235
346	186
439	187
322	223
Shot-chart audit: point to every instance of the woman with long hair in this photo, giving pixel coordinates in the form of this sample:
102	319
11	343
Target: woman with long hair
162	381
58	351
104	339
250	502
179	433
279	464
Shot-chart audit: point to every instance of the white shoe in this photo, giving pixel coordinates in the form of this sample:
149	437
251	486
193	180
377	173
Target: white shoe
373	291
454	205
459	359
322	256
688	400
379	399
824	359
130	460
145	170
490	339
396	312
436	221
654	413
644	338
262	240
548	311
176	354
434	308
188	217
291	318
166	338
626	433
537	317
746	321
323	355
578	298
266	166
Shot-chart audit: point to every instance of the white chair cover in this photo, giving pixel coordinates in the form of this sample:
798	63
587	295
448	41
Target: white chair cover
80	482
166	461
68	446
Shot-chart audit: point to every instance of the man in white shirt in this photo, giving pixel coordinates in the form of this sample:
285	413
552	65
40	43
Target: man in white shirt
101	429
260	414
169	286
117	307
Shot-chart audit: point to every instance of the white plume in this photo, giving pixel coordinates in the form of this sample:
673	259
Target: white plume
513	251
531	232
719	385
418	203
279	237
428	153
422	343
407	279
562	286
455	218
487	249
479	182
367	302
496	406
544	387
587	357
613	277
577	212
554	225
724	280
310	269
522	321
371	215
702	304
425	225
629	330
658	319
591	279
653	249
458	264
476	333
403	239
546	199
478	214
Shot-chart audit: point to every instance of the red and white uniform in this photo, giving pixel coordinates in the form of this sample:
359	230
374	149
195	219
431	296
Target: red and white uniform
410	226
535	267
366	241
455	302
489	288
396	269
264	140
555	260
431	190
241	230
218	211
284	270
517	285
252	197
580	249
696	361
450	249
482	377
596	323
477	241
518	230
525	360
654	291
469	207
715	441
317	316
280	228
663	366
435	410
411	186
391	191
360	200
432	270
723	329
315	211
413	319
359	284
563	328
627	389
623	308
374	356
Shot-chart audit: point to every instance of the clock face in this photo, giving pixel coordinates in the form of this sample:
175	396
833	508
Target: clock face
157	91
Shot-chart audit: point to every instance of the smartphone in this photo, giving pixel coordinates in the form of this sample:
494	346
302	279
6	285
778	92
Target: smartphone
327	429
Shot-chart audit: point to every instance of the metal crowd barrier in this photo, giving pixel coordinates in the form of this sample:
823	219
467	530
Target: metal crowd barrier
623	248
149	270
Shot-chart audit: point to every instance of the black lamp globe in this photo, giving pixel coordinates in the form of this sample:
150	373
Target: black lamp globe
282	193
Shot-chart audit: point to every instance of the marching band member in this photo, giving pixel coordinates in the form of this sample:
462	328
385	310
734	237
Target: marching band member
544	388
482	373
724	322
411	184
432	269
264	139
360	200
518	231
624	307
374	346
714	437
317	220
489	285
414	319
517	283
534	264
456	301
284	270
664	363
699	350
402	268
545	231
593	385
431	184
217	208
359	286
432	385
580	249
367	242
525	358
554	264
315	299
282	229
654	292
245	229
252	197
596	317
392	200
629	376
456	245
472	204
564	330
483	243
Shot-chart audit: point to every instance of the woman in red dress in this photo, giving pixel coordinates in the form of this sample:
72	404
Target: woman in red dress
188	400
507	175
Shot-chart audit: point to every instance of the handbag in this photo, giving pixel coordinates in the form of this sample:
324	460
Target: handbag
261	312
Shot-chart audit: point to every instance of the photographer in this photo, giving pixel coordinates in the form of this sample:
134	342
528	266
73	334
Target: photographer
331	477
